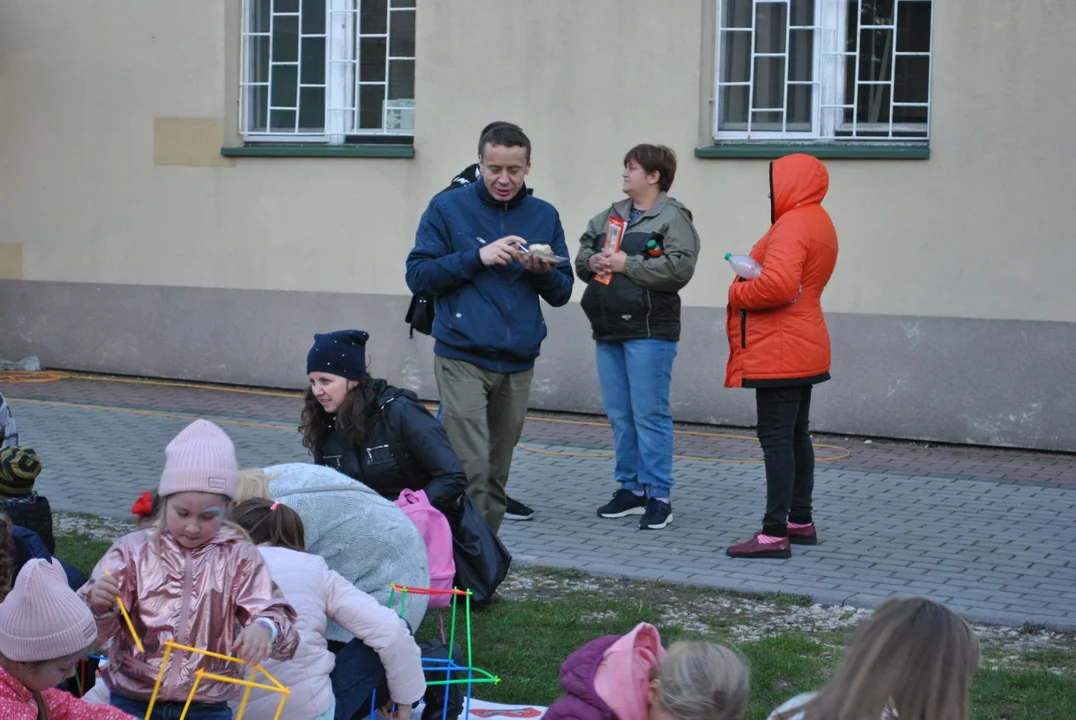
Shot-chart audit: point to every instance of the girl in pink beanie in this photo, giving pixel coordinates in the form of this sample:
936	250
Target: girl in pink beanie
45	630
193	578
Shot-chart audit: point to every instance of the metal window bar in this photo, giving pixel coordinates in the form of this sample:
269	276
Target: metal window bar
894	131
354	107
248	123
749	132
342	74
829	66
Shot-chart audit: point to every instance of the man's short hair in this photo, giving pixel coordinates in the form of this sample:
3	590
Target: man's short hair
504	134
653	158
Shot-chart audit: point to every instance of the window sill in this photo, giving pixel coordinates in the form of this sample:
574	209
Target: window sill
822	151
371	150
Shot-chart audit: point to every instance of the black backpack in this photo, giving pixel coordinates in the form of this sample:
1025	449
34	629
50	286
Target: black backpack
420	315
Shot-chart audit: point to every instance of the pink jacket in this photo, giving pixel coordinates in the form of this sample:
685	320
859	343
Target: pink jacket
201	598
17	703
317	594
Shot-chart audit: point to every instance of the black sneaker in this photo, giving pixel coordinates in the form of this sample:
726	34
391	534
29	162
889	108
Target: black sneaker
624	503
658	515
515	510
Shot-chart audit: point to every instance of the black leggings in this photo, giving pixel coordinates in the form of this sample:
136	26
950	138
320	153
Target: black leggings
783	432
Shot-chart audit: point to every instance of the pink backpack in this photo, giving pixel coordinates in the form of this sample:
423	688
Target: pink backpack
433	527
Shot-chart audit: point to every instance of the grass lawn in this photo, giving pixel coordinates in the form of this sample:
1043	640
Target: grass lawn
792	646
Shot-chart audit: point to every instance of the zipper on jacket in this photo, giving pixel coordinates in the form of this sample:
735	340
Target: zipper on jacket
508	304
649	307
183	630
743	329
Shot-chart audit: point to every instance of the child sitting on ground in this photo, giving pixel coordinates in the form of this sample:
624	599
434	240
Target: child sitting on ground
386	651
631	677
45	631
19	468
194	579
914	658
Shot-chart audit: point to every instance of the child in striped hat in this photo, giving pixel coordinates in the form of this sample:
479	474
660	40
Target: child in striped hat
19	468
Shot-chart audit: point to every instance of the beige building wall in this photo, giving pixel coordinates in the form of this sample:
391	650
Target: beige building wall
113	193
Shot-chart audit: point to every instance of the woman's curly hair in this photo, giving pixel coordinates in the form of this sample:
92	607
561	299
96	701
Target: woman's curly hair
350	418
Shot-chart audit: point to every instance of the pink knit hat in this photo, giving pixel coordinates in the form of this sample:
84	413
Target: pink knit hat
200	459
42	618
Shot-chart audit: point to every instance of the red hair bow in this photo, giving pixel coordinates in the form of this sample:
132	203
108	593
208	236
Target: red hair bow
143	506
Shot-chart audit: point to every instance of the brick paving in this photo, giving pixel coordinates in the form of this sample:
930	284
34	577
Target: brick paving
977	528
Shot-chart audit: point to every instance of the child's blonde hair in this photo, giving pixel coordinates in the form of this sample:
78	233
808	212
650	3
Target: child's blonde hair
702	681
253	483
914	658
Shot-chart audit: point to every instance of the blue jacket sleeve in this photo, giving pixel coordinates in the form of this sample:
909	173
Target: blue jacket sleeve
555	286
433	267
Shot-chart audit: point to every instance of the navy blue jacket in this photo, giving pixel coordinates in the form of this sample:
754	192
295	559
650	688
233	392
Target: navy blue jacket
488	316
28	546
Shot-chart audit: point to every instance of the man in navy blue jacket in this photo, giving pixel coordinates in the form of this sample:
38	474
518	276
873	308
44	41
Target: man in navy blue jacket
488	324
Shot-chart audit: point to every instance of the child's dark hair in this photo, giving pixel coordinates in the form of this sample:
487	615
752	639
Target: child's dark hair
270	523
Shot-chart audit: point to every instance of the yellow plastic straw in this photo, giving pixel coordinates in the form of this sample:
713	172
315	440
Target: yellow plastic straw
250	683
207	653
190	698
130	625
160	677
246	693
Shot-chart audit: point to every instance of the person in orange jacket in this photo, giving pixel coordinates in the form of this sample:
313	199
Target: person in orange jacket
779	345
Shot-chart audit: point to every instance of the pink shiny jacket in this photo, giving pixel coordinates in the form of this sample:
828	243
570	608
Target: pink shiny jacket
201	598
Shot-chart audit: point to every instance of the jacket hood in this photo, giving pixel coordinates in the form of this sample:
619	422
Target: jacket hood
577	672
796	180
387	393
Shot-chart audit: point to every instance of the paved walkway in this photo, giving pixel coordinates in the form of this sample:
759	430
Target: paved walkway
987	531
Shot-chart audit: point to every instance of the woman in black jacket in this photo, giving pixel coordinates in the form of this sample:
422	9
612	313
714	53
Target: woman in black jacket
378	434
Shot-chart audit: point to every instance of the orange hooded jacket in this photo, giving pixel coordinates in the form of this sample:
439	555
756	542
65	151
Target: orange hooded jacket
777	334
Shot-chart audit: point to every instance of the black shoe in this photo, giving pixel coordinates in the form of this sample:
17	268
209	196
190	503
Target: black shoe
515	510
624	503
658	515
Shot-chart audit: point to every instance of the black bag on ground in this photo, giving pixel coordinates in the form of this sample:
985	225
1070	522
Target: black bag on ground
482	560
420	315
438	672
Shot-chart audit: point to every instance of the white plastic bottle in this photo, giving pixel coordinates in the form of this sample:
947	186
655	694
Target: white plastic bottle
744	265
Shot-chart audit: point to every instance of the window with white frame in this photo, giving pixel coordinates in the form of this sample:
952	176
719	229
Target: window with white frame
825	70
331	71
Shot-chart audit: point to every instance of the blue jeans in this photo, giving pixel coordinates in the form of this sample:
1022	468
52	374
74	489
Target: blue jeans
358	673
635	377
171	710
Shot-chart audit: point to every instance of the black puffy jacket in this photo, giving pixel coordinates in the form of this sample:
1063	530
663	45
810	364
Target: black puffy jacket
405	448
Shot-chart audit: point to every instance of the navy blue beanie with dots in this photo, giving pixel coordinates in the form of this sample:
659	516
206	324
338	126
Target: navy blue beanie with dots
342	353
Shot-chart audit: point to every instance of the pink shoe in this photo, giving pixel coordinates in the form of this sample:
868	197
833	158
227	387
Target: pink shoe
754	549
803	536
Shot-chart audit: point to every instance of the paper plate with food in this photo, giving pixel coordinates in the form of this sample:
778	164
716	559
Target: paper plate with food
543	251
